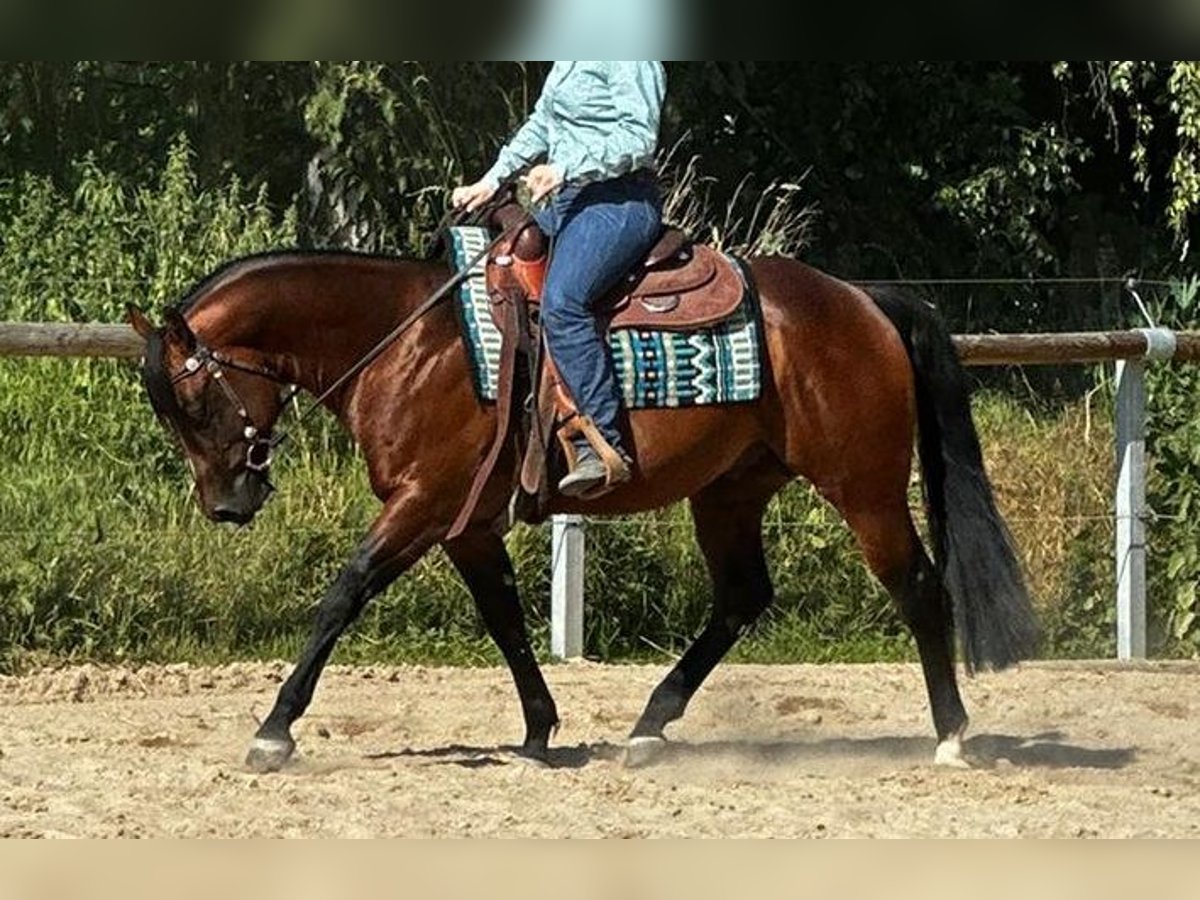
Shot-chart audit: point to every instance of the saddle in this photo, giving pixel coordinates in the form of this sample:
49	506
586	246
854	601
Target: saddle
678	286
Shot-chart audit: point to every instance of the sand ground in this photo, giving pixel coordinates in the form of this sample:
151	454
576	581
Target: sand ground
1061	749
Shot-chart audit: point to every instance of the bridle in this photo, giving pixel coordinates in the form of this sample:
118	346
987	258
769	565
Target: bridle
260	445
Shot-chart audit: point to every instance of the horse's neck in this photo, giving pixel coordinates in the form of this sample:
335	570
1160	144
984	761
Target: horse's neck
309	320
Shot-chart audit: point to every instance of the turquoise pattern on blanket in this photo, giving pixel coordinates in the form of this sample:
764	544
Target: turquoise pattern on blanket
654	369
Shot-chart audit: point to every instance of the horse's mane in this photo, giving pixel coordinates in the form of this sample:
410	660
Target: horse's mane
243	264
154	374
158	380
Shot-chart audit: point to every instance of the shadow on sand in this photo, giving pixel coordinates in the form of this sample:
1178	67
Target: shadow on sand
477	757
1047	750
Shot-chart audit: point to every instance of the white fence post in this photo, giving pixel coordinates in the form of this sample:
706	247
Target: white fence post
1130	509
566	586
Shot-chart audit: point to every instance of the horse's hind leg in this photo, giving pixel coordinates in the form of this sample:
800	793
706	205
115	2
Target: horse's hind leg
728	519
483	561
896	557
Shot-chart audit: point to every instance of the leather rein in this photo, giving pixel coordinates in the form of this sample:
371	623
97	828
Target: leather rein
260	443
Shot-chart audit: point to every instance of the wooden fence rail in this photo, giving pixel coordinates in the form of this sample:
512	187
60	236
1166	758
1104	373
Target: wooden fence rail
1129	349
93	339
53	339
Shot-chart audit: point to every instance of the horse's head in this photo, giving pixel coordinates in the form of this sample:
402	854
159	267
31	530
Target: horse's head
220	406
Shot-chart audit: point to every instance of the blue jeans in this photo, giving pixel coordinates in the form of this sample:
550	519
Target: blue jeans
600	232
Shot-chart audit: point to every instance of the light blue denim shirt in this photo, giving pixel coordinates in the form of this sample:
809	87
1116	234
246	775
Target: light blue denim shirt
593	120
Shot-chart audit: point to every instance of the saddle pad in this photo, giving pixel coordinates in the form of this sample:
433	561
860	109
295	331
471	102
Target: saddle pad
720	363
480	333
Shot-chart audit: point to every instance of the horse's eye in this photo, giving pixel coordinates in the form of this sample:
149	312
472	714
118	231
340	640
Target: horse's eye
195	406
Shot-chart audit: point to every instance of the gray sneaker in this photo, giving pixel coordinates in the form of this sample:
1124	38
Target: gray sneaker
589	473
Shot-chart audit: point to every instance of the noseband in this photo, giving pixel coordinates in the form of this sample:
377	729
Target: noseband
259	447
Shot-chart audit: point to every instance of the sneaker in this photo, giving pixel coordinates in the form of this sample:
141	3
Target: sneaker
589	473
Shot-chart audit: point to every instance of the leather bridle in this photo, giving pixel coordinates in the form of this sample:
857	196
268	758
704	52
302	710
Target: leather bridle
260	444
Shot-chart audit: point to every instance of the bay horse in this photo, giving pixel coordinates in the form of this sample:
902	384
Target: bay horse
852	379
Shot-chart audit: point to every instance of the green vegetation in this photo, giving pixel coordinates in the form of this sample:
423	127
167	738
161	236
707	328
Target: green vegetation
105	556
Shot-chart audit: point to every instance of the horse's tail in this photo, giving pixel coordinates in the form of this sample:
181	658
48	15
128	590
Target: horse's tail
972	547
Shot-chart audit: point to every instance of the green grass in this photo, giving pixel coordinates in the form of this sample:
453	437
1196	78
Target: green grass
105	557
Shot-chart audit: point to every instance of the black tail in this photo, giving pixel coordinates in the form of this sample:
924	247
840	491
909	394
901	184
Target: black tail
972	547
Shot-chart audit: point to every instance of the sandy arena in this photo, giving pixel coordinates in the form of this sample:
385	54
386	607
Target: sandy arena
815	751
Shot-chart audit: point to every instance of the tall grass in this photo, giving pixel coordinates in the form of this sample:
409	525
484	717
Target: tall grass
105	556
772	219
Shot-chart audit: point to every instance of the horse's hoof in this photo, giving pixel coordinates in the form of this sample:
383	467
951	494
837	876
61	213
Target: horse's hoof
269	754
642	750
949	753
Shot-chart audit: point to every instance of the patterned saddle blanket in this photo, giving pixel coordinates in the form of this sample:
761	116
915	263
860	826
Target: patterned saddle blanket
719	362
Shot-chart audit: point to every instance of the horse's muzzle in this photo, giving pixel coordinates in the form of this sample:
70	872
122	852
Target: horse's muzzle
239	506
232	514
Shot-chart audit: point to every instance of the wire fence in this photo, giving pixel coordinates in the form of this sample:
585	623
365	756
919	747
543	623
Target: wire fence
607	522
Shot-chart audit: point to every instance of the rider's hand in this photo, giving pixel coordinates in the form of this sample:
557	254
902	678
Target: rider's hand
472	196
542	180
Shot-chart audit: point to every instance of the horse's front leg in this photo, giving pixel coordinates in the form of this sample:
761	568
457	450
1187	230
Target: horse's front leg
394	543
483	561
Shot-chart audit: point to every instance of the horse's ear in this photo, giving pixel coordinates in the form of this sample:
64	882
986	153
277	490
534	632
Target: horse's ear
137	319
177	325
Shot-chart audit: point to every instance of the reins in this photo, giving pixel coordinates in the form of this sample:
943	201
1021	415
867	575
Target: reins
431	301
260	449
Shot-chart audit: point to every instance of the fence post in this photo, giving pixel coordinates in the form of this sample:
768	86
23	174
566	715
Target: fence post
1130	509
566	586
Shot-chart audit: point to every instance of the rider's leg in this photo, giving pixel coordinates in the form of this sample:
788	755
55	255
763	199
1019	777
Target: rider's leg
603	234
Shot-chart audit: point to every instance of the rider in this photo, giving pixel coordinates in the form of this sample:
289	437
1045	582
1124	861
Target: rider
596	125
